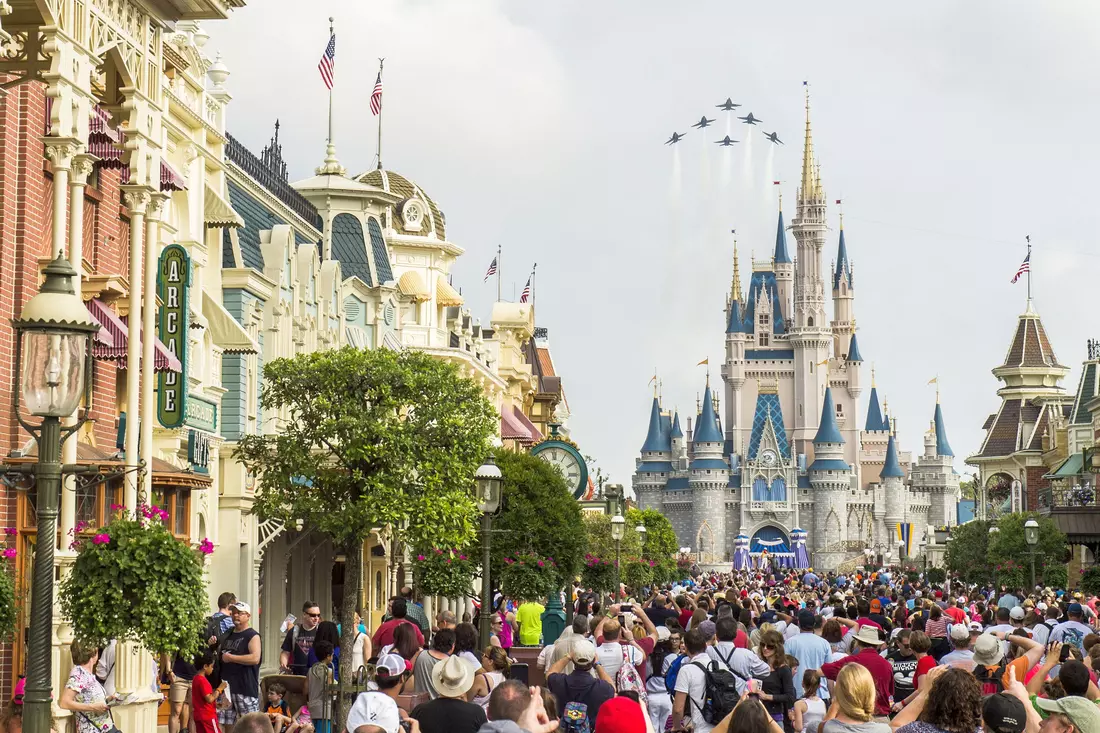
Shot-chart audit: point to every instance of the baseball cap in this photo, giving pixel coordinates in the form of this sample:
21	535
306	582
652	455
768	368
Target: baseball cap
806	619
584	652
876	606
663	634
620	715
1075	609
707	629
240	606
987	651
976	626
390	665
19	691
1017	613
959	632
374	709
1083	712
1004	713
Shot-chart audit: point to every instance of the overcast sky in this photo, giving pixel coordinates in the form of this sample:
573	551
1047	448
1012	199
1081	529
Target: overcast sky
951	130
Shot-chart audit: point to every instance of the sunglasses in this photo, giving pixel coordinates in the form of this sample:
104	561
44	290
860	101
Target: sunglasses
314	615
769	646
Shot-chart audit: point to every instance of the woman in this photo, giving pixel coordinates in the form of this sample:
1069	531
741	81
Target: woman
951	703
466	645
748	716
508	625
404	644
659	700
809	711
833	633
83	695
854	703
494	669
328	631
777	689
936	629
361	649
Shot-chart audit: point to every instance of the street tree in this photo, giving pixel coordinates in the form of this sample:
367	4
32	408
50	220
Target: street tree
967	551
660	543
366	440
1009	545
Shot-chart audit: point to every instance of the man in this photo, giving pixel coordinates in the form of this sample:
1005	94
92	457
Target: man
691	685
452	679
383	635
660	609
376	711
561	648
875	614
254	723
240	656
415	612
614	642
1016	617
863	615
1003	617
865	652
443	645
989	653
294	656
443	619
810	650
529	618
1072	631
904	663
744	664
1070	714
1008	599
516	708
683	602
1003	713
960	654
579	685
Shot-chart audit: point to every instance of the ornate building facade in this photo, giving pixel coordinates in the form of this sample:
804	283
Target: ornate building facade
791	450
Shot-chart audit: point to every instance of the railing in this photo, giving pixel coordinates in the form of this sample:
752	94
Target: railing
1068	497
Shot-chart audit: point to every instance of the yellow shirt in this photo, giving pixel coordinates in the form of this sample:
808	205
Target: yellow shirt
529	617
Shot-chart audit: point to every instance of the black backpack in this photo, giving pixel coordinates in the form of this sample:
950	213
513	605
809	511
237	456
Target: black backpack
214	630
992	682
721	694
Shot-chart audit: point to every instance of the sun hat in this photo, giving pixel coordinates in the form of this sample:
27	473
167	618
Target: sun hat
453	677
868	635
1004	713
1082	711
987	651
959	632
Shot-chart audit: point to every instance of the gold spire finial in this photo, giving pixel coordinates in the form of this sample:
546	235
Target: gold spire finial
656	383
735	290
661	390
781	201
808	183
840	205
872	375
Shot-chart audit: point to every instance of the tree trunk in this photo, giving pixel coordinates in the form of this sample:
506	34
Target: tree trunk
353	583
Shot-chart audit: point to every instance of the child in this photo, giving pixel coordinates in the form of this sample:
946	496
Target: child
809	710
319	677
277	710
302	723
203	695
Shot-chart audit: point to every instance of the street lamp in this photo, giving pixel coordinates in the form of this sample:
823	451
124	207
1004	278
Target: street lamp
1031	537
993	530
54	365
618	530
901	553
488	483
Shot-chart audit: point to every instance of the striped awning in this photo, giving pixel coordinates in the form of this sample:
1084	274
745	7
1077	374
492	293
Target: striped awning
115	325
514	425
445	294
531	429
170	179
217	212
412	284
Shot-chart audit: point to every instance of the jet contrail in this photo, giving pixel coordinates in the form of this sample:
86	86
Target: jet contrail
675	221
769	176
747	167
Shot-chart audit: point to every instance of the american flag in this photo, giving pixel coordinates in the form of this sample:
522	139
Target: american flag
526	294
327	63
1025	266
376	95
491	271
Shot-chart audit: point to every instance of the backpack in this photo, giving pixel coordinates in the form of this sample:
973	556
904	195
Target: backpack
721	696
991	682
628	679
670	675
575	718
214	630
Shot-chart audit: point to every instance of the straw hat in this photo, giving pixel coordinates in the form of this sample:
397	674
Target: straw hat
453	677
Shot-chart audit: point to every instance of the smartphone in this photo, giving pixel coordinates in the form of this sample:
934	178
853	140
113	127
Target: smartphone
626	608
754	687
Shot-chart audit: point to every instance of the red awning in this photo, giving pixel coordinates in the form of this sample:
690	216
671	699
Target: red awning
170	179
514	425
531	429
115	325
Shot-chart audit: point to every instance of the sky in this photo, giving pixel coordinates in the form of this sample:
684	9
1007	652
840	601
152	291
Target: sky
950	130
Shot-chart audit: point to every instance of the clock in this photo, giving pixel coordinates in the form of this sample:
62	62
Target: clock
562	453
768	458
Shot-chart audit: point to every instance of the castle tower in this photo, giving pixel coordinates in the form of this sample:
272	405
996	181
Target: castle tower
784	267
708	481
679	447
892	478
655	464
853	366
831	480
810	335
733	371
843	324
934	473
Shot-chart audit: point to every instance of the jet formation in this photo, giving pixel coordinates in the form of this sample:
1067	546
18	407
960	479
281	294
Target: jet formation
774	137
728	105
726	142
703	122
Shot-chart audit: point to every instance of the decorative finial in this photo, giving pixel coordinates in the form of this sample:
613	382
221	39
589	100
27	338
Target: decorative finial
661	390
840	206
872	374
698	404
656	383
808	184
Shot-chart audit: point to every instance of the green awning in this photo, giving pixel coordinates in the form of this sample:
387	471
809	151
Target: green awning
1070	468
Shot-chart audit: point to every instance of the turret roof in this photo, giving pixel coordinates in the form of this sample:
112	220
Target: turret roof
827	431
707	429
735	324
782	257
853	349
1030	346
656	439
762	282
943	448
676	431
843	266
891	468
874	412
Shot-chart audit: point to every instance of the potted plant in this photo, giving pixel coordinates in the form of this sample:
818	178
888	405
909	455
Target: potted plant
443	572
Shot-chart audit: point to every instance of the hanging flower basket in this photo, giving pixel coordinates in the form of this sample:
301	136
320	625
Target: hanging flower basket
439	572
7	587
529	577
597	573
638	572
134	581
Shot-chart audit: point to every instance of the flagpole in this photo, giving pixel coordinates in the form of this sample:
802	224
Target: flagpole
1029	269
498	273
331	32
381	61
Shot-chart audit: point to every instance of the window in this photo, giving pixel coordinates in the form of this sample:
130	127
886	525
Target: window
839	409
177	502
763	339
764	319
810	321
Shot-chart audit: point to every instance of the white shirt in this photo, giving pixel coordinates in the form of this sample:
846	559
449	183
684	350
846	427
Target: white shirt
742	662
610	656
693	681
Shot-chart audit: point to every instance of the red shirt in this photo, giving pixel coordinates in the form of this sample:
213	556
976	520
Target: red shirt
881	672
200	688
685	616
924	664
384	634
741	641
957	614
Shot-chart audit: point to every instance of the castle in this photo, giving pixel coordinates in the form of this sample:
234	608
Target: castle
791	452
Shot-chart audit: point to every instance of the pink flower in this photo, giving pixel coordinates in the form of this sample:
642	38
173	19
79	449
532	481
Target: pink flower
206	547
438	551
9	531
509	561
461	557
101	539
117	507
540	563
420	558
448	561
9	552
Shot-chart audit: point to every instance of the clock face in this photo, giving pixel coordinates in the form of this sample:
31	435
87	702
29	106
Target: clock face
768	458
568	462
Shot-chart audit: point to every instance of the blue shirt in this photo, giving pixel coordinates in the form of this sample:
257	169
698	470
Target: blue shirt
811	651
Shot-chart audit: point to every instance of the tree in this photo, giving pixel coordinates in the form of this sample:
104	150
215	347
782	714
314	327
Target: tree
660	543
370	439
1009	546
598	529
968	487
967	550
538	516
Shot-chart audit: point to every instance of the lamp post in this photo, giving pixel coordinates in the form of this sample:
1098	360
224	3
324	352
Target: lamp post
488	480
901	553
618	530
54	363
1031	537
993	530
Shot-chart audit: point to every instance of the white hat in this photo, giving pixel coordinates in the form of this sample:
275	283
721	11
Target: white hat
868	635
241	606
392	664
1041	606
975	626
1017	613
959	632
663	634
373	709
453	677
584	652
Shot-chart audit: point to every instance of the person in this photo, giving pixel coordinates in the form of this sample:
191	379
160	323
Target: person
742	662
507	626
204	695
1072	630
809	649
616	645
466	645
330	632
443	643
952	703
561	648
83	694
294	656
578	686
961	654
777	689
253	723
404	644
452	679
1008	599
1069	714
180	674
621	714
278	712
516	708
494	669
361	649
383	635
691	684
809	710
529	619
318	699
989	654
658	700
240	656
376	711
415	612
1004	713
11	720
854	703
748	716
865	648
660	608
903	660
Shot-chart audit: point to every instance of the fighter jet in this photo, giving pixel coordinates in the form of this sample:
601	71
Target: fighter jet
703	122
676	137
774	137
726	142
750	120
727	106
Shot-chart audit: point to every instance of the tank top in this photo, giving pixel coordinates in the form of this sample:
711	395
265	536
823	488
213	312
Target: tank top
815	713
243	679
357	660
492	679
505	630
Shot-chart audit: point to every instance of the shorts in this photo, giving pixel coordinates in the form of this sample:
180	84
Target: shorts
239	705
180	691
207	726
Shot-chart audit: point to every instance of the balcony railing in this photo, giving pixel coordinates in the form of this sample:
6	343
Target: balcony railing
1069	497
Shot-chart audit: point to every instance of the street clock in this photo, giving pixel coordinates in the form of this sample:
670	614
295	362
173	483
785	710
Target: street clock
561	452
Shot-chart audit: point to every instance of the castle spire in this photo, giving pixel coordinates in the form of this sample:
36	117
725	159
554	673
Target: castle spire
707	429
827	431
809	183
676	431
655	438
735	290
853	349
874	412
943	448
843	270
781	255
891	468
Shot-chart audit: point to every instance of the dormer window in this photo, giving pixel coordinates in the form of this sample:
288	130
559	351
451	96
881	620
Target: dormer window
762	338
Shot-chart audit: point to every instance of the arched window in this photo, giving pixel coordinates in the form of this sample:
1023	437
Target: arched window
778	490
759	489
810	321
